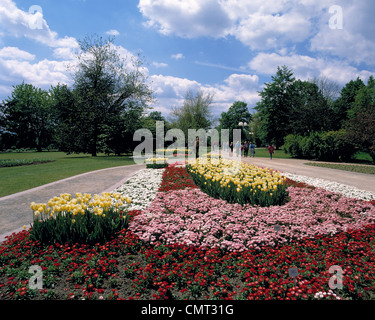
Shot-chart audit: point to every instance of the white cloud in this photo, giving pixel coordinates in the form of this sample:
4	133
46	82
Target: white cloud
262	32
306	67
187	19
42	74
356	41
159	64
170	91
15	53
113	32
19	23
177	56
259	24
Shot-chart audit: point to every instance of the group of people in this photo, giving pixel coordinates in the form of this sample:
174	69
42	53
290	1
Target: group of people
242	148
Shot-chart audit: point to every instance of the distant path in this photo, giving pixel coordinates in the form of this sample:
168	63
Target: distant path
361	181
15	209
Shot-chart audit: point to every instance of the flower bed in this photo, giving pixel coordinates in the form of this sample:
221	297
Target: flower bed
127	267
156	163
340	188
194	218
84	219
142	188
237	182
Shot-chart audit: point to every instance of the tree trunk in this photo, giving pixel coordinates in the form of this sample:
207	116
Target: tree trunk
95	139
372	154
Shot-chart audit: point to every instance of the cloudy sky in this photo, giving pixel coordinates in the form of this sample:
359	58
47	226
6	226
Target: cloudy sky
229	48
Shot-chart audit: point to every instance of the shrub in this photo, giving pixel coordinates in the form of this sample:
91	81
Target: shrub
156	163
22	162
325	146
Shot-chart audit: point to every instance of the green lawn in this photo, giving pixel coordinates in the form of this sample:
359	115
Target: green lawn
263	153
16	179
347	167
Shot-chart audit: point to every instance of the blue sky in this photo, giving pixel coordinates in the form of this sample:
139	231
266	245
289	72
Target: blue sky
229	48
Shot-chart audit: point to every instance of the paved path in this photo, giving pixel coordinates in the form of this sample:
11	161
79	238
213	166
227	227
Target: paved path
15	209
359	180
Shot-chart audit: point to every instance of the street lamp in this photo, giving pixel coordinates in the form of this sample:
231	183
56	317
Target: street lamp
243	125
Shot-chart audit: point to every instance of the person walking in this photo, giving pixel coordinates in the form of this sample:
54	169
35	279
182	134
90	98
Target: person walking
252	149
271	150
196	146
246	148
238	148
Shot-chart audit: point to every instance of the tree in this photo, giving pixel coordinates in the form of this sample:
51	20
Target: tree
329	89
361	130
28	115
111	95
346	101
65	115
195	112
275	107
365	96
309	111
238	112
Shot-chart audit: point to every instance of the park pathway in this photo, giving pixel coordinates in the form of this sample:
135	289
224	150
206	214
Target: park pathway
15	209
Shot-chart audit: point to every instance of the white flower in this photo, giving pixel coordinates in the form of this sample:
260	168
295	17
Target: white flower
343	189
142	188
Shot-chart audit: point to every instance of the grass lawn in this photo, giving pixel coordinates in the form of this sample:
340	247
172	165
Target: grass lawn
347	167
360	157
17	179
263	153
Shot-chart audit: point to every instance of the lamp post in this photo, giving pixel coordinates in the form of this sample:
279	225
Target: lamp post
243	125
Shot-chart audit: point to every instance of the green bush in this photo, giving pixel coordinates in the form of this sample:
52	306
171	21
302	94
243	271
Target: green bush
22	162
325	146
156	165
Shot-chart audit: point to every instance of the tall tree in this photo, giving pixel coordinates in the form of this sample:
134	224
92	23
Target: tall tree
65	115
365	96
361	130
238	112
330	89
309	111
108	89
346	101
28	115
195	113
275	107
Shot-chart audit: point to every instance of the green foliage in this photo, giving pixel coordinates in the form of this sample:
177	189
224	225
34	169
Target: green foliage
27	114
325	146
346	101
195	113
156	165
106	104
290	106
361	130
275	106
86	228
238	112
22	162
